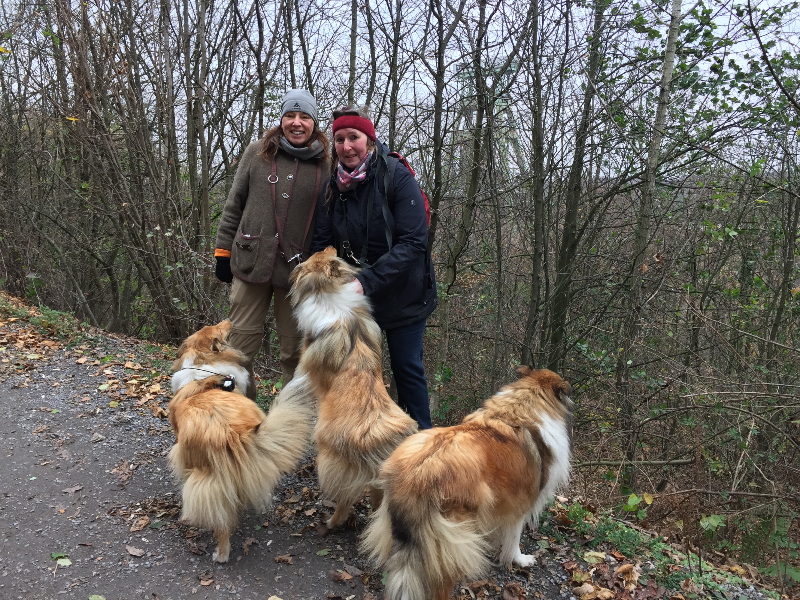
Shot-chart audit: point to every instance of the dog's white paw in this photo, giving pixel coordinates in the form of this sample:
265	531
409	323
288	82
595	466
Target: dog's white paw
217	558
524	560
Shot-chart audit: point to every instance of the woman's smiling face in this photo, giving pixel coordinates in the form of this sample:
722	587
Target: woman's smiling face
351	146
297	127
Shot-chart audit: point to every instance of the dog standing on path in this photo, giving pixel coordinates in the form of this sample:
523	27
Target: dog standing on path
228	453
358	424
453	494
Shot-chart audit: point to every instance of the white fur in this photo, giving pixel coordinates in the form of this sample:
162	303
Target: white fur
319	311
509	546
555	435
191	372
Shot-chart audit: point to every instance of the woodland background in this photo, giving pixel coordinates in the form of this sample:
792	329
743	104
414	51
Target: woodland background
614	188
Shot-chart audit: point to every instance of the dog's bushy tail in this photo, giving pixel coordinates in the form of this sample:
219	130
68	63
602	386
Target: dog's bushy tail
224	472
286	432
423	552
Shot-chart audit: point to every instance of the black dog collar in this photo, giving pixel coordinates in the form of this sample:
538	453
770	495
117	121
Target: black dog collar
228	384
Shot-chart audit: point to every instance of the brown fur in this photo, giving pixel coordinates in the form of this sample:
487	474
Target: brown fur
358	424
453	494
228	453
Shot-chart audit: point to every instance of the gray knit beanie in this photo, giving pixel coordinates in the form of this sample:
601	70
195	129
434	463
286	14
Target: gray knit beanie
301	100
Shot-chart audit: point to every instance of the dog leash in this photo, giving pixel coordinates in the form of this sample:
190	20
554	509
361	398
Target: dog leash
228	383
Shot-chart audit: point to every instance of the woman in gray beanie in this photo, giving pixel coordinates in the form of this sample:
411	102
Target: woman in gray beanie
267	225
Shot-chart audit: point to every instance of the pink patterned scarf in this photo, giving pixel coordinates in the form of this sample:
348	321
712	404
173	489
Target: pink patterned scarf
347	180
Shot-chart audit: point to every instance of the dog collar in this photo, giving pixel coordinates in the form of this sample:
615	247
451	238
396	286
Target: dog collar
228	384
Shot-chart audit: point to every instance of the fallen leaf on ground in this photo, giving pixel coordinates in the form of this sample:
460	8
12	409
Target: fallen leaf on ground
586	588
734	569
73	489
354	571
570	565
143	400
284	558
513	591
594	557
140	523
247	543
618	555
341	576
123	471
581	577
134	551
630	573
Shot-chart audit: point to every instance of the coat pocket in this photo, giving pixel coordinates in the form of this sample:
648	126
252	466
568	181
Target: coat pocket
244	254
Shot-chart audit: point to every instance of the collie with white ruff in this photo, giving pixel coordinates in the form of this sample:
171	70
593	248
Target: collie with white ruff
358	424
454	494
228	453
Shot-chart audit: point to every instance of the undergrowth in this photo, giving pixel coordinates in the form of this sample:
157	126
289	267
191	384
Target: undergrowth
668	565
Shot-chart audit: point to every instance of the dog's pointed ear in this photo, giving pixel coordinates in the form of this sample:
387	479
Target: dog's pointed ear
562	389
330	250
523	370
334	271
217	344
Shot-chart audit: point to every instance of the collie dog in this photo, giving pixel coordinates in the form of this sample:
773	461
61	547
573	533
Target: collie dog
358	424
228	453
454	494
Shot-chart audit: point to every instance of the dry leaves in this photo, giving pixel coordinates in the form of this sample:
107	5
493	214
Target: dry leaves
140	523
123	471
513	591
284	558
134	551
247	543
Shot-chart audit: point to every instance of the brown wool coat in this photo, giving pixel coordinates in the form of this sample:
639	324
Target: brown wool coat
248	224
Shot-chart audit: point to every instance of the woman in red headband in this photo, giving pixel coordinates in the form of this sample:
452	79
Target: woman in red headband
385	233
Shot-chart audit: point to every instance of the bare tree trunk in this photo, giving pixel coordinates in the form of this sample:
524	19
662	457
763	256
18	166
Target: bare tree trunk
562	295
394	76
538	194
373	59
304	47
631	324
351	83
287	16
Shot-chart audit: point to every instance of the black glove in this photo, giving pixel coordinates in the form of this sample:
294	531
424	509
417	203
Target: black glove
223	269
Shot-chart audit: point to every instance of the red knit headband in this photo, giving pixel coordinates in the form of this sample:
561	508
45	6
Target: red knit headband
364	125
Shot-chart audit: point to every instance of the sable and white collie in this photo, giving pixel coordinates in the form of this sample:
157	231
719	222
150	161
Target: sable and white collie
228	453
454	494
358	424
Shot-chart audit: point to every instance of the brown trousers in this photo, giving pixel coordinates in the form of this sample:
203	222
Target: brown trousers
249	308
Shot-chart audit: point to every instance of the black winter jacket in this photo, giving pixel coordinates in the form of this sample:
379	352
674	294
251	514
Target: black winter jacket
402	291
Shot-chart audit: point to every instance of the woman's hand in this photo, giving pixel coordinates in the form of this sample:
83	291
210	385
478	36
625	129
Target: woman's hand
358	287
